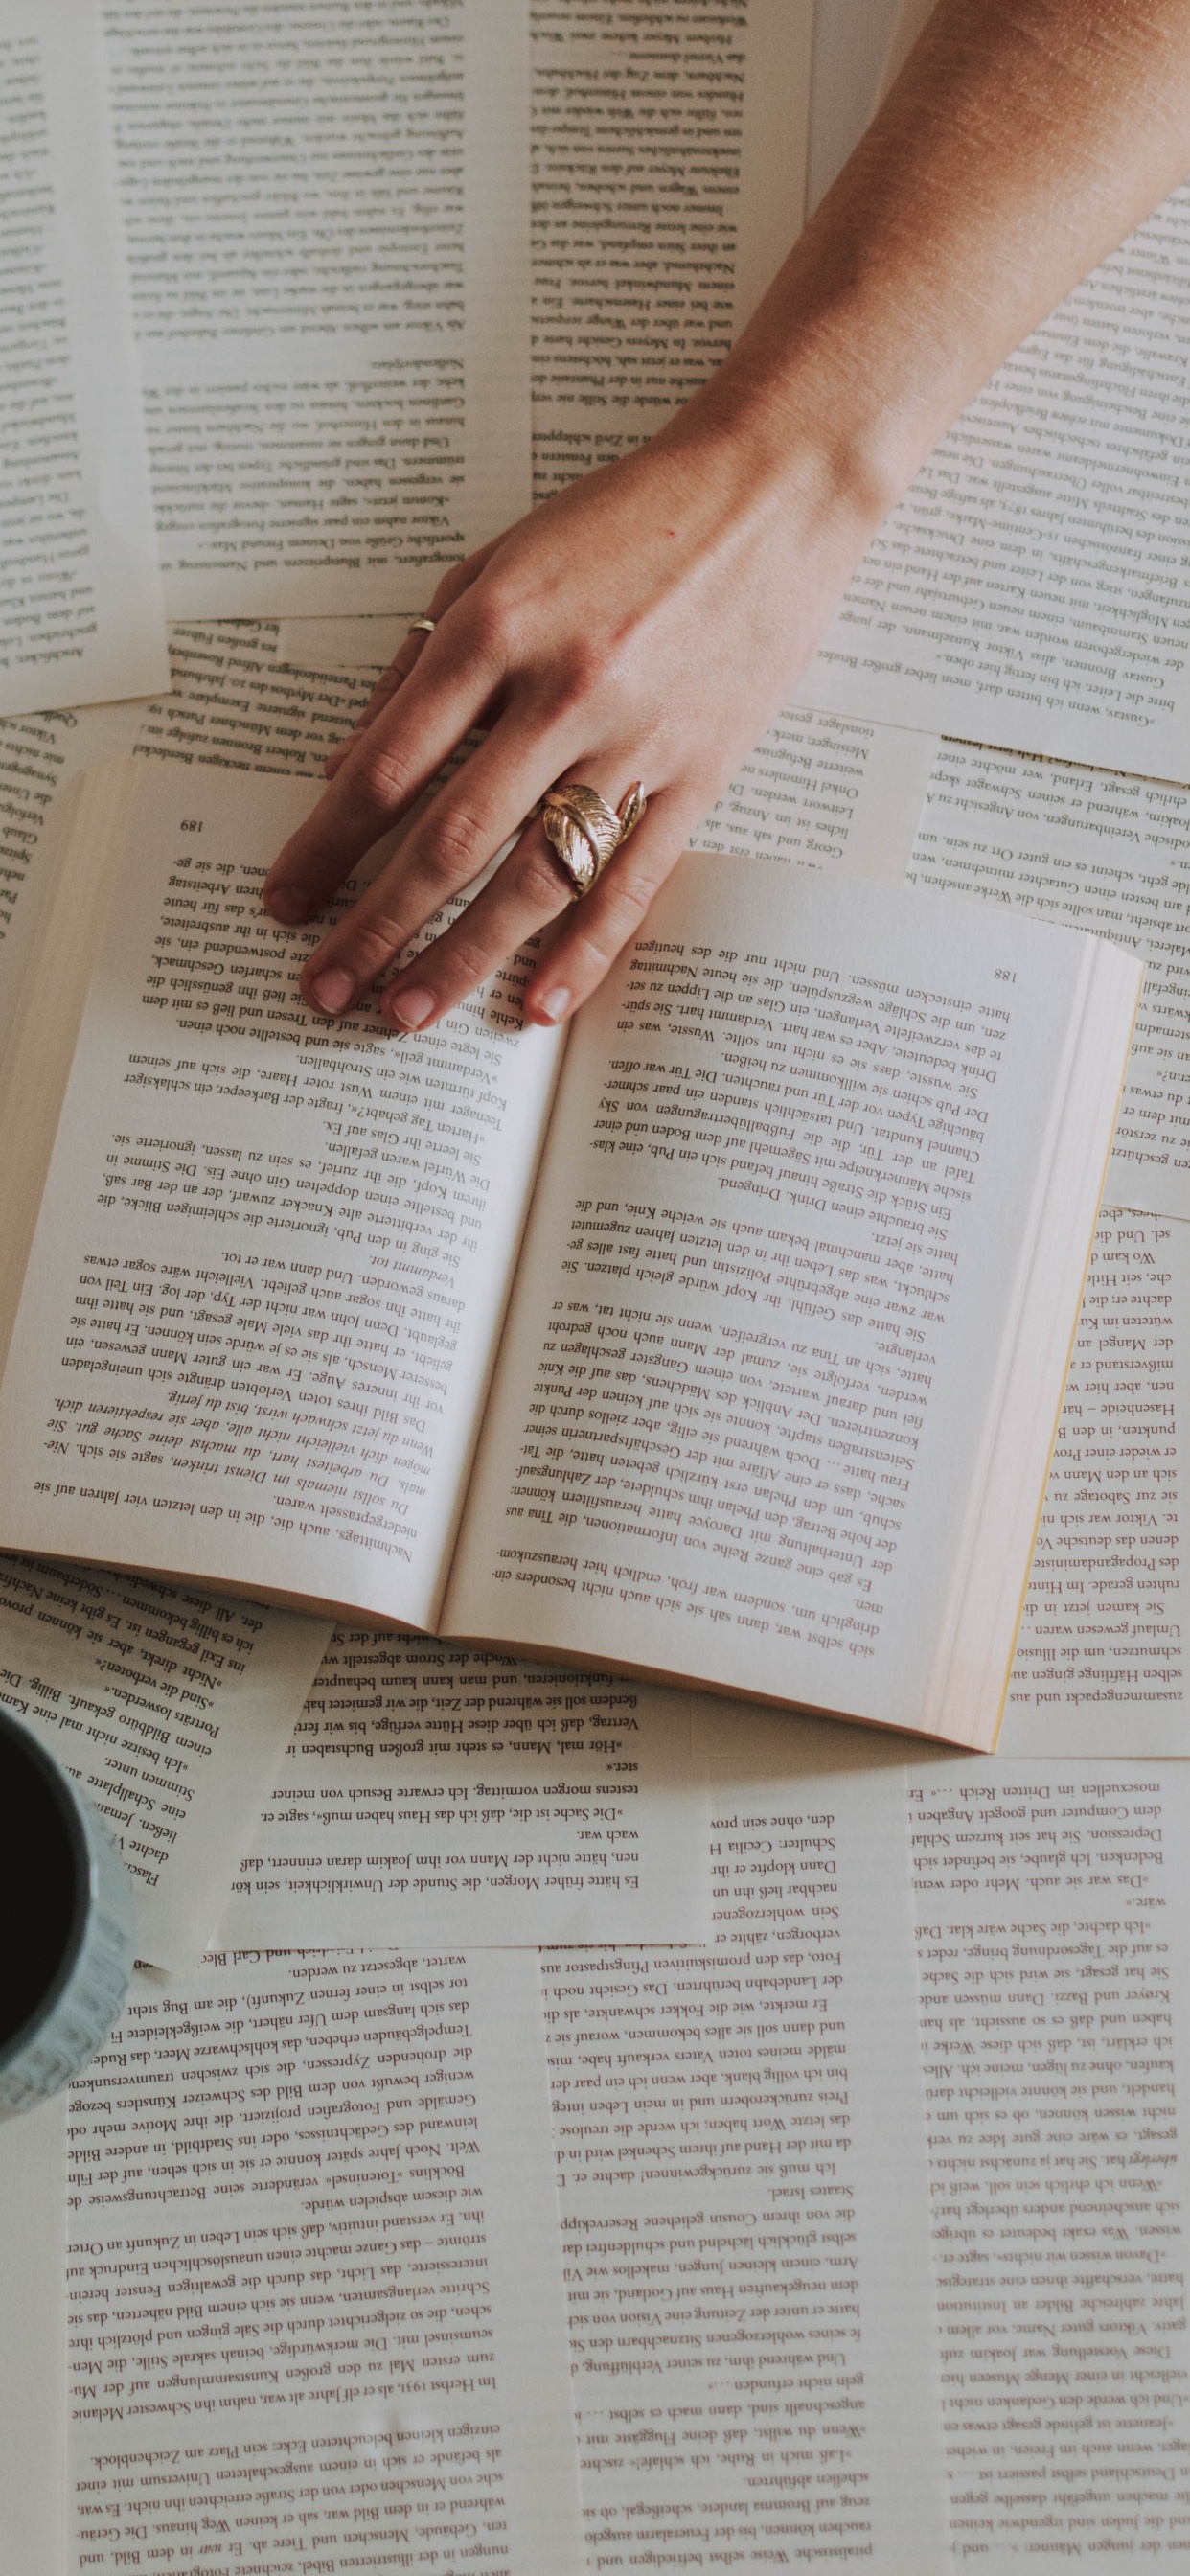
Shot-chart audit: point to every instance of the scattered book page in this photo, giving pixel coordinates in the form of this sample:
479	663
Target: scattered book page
33	2454
1031	588
315	2270
826	792
235	704
170	1708
81	613
330	285
1101	1663
1106	854
367	1195
1055	2011
695	133
741	2152
466	1795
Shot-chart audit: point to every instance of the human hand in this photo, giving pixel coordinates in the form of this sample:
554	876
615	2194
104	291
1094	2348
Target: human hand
647	623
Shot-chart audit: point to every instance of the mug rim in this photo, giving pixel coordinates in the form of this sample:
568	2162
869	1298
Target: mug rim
67	1802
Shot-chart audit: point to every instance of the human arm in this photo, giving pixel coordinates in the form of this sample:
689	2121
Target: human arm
651	620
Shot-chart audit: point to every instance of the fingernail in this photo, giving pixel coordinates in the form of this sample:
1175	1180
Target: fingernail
410	1010
333	989
285	906
554	1007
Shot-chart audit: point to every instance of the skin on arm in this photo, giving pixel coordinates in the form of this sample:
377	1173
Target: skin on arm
651	620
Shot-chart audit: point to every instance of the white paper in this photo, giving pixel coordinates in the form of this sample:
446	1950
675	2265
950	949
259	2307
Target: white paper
327	1357
33	2341
738	1401
39	756
236	706
826	792
469	1797
741	2149
81	614
233	705
170	1708
668	185
1106	854
1031	588
1101	1663
1052	1935
330	289
316	2299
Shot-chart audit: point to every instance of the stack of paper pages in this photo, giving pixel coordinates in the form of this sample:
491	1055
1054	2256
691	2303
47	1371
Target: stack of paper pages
580	2107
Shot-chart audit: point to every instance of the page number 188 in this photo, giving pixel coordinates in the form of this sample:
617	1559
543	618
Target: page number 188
1005	975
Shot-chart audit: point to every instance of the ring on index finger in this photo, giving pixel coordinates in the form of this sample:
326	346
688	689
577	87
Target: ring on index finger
584	831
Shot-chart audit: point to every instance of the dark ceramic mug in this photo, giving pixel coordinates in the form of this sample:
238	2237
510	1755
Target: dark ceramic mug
67	1922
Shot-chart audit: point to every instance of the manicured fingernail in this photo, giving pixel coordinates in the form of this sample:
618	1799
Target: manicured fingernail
285	906
554	1007
332	990
410	1010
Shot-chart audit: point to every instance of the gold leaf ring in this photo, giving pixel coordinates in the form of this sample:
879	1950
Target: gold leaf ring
584	831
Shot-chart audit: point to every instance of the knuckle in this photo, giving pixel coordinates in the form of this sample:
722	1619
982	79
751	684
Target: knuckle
375	782
468	961
370	940
461	843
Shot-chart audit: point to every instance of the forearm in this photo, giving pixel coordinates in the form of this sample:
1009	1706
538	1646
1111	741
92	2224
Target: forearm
1022	142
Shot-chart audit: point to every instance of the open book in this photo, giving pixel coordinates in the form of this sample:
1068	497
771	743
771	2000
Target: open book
725	1344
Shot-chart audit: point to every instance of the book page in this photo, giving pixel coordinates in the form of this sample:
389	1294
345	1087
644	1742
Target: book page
466	1794
171	1710
1031	588
747	2263
753	1344
1101	1663
81	615
823	792
1106	854
693	129
40	755
275	1252
232	705
1052	1936
236	705
33	2465
330	287
315	2287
